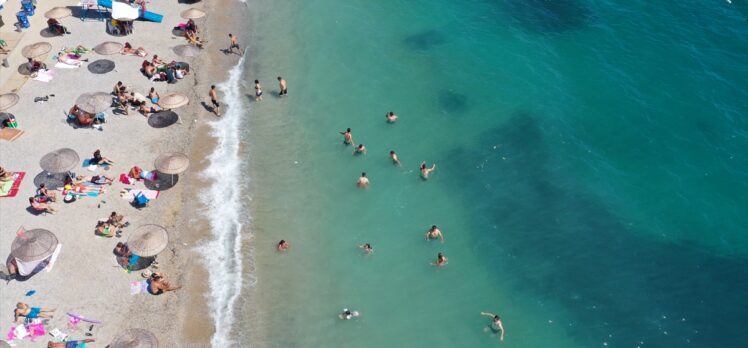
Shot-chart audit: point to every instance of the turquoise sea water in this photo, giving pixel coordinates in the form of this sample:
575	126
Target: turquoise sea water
591	182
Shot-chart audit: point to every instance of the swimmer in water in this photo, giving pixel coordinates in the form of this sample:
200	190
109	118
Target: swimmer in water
434	233
363	181
348	314
394	158
441	260
283	245
426	171
360	149
367	248
391	117
347	137
496	325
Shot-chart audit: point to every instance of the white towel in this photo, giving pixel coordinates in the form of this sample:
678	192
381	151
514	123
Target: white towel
44	75
62	65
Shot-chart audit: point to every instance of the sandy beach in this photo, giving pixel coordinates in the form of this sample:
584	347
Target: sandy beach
86	279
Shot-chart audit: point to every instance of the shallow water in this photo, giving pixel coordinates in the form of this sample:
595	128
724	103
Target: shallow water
591	182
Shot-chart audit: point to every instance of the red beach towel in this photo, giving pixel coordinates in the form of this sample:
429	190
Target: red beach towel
12	190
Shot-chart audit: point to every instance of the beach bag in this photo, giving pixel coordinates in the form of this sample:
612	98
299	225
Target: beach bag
135	172
141	200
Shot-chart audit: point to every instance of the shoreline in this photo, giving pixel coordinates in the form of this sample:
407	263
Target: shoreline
83	282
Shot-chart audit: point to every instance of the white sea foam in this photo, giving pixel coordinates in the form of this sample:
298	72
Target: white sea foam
223	254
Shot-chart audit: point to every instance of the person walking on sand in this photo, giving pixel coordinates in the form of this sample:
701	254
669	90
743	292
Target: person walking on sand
434	233
234	43
347	137
426	171
283	87
496	325
395	160
214	99
24	310
258	91
363	181
441	260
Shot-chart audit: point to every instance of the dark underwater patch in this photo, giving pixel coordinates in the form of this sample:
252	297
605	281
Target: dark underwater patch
425	41
566	246
452	102
549	16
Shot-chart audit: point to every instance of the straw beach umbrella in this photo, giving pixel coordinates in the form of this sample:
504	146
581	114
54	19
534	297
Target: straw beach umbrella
34	245
172	163
108	47
186	50
94	103
173	101
192	13
59	161
148	240
58	12
8	100
135	338
36	49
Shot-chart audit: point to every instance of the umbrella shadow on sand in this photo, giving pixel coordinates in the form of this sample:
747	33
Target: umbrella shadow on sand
51	181
163	183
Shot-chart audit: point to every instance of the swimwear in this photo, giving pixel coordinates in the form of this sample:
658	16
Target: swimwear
283	92
258	93
34	313
150	289
234	46
215	103
154	100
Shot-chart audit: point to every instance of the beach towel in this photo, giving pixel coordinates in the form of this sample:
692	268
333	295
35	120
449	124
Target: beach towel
138	287
53	258
129	194
61	65
10	134
125	179
10	188
92	167
45	75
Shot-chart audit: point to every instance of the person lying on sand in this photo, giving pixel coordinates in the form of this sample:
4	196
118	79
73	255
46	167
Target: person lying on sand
24	310
70	344
98	159
66	59
158	284
41	206
5	175
140	51
193	39
96	179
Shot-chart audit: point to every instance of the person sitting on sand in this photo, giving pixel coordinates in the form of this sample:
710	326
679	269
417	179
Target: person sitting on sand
158	284
96	179
140	51
118	88
41	206
33	65
393	157
153	96
426	171
363	181
147	110
441	260
117	220
5	175
156	61
191	25
360	149
45	195
347	137
496	325
24	310
123	254
434	233
367	248
104	229
283	245
63	57
98	159
391	117
193	39
70	344
56	28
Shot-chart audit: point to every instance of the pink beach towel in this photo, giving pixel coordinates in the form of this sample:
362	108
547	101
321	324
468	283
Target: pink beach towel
130	194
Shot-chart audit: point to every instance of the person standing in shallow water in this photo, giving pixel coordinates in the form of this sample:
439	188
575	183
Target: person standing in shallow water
393	157
363	181
258	91
496	325
360	149
434	233
391	117
441	260
283	87
426	171
347	137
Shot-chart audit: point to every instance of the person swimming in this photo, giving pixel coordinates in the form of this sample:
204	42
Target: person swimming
393	157
363	181
367	248
441	260
391	117
283	245
360	149
496	325
348	314
434	233
425	171
347	137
